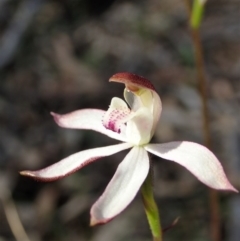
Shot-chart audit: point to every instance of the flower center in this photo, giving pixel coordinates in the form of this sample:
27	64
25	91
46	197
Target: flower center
135	125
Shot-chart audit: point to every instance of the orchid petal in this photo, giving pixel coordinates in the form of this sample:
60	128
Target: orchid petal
90	119
123	187
200	161
139	127
157	109
143	98
74	162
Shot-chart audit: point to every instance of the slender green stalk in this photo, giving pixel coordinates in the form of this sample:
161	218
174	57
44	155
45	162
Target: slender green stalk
151	208
197	13
195	17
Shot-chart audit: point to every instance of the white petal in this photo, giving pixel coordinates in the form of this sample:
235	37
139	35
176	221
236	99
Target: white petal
74	162
123	187
157	110
197	159
90	119
134	101
148	99
139	127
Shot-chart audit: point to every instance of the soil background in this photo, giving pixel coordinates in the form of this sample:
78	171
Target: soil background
58	56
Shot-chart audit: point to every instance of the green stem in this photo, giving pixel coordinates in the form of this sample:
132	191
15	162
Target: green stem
151	208
197	13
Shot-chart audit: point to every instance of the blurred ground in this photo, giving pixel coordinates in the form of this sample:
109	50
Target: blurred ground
58	56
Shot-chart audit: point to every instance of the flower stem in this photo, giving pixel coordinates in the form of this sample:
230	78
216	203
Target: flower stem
151	208
195	13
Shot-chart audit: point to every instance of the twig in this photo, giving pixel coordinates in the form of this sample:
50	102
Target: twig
12	216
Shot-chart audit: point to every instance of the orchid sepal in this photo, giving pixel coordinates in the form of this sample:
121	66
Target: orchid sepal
74	162
197	159
132	82
123	187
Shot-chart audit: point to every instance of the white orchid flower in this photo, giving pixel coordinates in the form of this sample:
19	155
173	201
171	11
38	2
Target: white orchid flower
133	122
